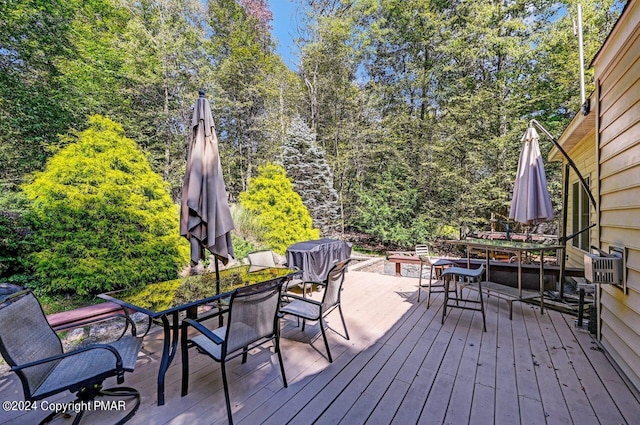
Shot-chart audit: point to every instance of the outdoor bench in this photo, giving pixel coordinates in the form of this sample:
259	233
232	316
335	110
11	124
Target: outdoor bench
400	258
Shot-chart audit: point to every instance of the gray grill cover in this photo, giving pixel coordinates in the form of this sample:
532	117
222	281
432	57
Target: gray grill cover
315	258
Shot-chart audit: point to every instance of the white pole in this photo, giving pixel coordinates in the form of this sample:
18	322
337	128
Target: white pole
582	93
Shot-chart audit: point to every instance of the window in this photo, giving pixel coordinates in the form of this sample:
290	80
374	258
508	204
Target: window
580	216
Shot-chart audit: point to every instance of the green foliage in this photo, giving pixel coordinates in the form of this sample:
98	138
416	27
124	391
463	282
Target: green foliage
278	209
241	247
104	219
387	209
248	102
442	88
34	36
16	241
13	245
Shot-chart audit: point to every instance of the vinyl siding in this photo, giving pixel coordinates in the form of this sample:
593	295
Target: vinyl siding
584	156
617	71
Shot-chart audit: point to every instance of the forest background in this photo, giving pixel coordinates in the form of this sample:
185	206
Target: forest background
409	113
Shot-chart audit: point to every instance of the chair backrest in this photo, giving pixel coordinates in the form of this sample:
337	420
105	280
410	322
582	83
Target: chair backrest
25	336
262	258
422	250
333	283
253	315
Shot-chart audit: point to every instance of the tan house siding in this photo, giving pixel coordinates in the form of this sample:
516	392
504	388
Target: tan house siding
617	73
584	156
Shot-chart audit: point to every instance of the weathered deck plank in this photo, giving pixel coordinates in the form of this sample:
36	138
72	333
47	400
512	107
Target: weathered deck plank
577	401
529	400
556	410
507	410
400	366
600	401
483	405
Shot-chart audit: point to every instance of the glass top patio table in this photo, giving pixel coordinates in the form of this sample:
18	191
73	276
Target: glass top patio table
504	244
165	300
158	299
516	247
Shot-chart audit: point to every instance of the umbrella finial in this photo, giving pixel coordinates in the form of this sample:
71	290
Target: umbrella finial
201	92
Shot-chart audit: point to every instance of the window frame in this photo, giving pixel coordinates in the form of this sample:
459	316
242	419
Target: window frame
580	216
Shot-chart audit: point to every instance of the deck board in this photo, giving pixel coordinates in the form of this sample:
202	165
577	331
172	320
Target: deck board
462	392
401	366
555	407
596	393
572	390
483	405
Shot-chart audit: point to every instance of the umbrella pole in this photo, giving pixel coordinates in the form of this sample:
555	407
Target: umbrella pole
563	232
220	319
573	165
215	259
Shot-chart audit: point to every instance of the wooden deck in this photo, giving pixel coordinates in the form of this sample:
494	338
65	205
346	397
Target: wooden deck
401	366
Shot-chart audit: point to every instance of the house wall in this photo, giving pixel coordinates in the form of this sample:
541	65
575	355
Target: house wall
584	156
617	73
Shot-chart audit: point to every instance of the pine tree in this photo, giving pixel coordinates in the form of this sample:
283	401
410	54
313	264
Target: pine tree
306	164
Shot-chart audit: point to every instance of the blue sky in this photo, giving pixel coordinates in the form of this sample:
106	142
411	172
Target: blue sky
284	24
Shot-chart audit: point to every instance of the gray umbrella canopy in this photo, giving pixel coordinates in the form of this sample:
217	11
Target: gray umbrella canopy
205	216
531	203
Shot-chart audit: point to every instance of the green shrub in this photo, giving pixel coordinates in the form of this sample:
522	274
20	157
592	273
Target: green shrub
281	217
12	244
15	236
241	247
104	219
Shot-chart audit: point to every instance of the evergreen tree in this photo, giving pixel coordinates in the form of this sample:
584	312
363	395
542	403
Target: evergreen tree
104	219
307	166
247	72
280	217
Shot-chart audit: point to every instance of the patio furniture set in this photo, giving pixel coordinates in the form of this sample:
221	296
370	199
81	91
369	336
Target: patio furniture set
252	299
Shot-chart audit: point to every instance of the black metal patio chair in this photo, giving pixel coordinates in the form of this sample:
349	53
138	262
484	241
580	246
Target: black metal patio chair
315	310
34	351
252	320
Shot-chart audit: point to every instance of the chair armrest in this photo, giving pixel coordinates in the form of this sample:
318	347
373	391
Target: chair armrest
202	329
70	354
309	300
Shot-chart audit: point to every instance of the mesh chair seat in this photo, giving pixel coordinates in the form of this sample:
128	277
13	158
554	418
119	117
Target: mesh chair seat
303	309
210	347
85	366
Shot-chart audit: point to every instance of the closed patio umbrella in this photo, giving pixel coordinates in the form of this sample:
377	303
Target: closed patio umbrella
531	203
205	216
